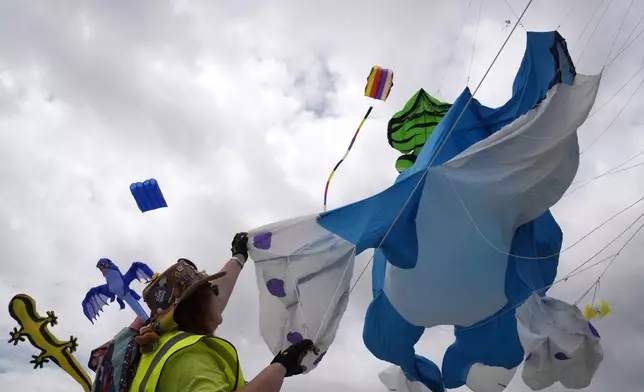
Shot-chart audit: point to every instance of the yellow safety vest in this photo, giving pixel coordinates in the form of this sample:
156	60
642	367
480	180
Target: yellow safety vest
150	366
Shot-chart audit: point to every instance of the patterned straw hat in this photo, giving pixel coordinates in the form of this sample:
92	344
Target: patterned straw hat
174	285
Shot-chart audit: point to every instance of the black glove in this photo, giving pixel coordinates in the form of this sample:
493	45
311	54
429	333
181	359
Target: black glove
292	357
240	245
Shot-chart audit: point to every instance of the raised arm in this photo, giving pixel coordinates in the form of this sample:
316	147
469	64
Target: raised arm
232	268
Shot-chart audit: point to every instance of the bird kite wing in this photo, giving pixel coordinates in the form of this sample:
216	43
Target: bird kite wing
94	301
138	271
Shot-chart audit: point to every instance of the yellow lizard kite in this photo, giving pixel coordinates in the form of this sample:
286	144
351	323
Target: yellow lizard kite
34	327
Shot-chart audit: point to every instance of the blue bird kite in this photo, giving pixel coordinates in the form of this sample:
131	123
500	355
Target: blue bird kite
117	287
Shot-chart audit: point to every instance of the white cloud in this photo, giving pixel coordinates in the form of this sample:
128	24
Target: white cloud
240	110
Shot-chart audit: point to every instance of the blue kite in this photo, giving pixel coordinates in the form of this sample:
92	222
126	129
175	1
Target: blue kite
463	238
117	288
148	195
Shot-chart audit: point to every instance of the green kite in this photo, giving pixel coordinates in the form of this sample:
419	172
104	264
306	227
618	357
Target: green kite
409	129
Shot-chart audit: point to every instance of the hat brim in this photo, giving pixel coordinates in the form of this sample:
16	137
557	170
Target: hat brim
196	285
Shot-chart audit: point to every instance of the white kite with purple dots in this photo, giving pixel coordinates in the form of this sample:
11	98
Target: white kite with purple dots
303	290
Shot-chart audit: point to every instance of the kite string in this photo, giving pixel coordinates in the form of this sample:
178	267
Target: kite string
609	243
476	34
588	23
595	111
616	92
593	32
614	258
608	171
565	17
514	13
614	118
328	309
594	285
451	54
440	148
566	277
627	43
621	26
355	135
503	252
613	170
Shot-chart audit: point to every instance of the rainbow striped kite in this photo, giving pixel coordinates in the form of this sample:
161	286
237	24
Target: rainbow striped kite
379	85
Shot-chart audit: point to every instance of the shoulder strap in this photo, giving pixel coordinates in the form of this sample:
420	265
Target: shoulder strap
227	351
159	356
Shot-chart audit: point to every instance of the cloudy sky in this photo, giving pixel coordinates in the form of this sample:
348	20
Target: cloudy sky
240	109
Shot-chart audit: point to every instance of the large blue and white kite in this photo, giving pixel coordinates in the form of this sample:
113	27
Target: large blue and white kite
475	240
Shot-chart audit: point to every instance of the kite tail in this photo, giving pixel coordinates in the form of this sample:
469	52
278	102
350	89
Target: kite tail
328	181
135	305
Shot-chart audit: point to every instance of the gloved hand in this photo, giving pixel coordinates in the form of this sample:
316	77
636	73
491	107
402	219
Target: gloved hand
292	357
240	245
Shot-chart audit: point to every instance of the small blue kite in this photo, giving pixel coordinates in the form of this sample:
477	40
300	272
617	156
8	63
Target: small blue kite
148	195
117	287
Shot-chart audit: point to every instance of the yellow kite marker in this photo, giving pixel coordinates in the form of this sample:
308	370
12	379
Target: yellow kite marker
600	310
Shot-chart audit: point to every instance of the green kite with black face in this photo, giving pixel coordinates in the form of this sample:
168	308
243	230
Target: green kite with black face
409	129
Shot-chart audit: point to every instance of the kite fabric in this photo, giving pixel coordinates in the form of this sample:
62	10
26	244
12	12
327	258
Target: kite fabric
394	379
561	344
475	239
600	310
148	195
379	83
294	301
409	129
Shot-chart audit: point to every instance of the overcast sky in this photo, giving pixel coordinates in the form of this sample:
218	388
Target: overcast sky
240	109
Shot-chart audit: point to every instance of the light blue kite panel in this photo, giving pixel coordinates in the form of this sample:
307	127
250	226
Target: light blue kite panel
148	195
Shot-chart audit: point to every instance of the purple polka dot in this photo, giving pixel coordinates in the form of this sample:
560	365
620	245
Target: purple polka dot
276	287
294	337
262	241
561	356
593	331
319	358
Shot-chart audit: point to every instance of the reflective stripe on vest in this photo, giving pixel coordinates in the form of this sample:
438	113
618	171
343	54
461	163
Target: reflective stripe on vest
150	366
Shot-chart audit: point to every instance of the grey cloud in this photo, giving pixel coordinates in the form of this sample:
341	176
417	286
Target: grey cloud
240	109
